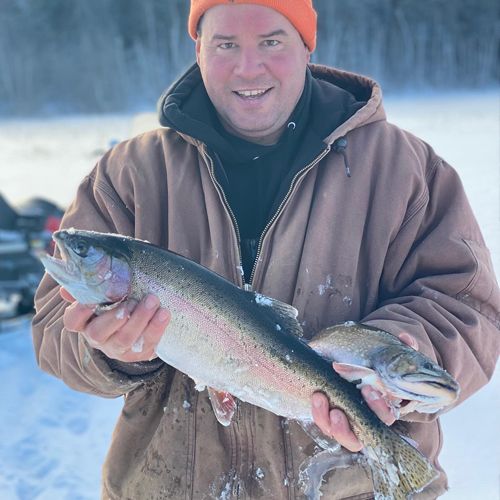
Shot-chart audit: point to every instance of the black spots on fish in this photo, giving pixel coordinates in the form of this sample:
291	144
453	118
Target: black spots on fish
398	469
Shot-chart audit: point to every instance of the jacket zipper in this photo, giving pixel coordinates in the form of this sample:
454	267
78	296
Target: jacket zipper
282	206
249	286
230	212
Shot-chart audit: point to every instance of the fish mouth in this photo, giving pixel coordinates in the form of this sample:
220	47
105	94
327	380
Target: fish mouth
63	269
86	270
438	381
424	388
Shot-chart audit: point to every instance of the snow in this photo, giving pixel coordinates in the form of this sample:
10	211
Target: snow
53	440
262	300
138	345
259	473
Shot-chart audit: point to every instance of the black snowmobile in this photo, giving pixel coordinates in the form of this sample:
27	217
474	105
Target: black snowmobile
23	230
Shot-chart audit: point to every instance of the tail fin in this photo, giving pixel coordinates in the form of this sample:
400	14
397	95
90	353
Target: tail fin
398	469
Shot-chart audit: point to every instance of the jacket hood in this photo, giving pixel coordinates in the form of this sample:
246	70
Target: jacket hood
363	89
186	107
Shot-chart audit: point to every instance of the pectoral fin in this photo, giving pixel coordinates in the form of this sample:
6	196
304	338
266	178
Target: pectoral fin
223	404
356	372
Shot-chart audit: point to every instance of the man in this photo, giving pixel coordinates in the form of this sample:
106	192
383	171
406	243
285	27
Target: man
285	178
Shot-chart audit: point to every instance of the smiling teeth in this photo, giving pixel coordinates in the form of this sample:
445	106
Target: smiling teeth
250	93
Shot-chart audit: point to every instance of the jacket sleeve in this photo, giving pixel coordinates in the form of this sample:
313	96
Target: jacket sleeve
66	354
439	285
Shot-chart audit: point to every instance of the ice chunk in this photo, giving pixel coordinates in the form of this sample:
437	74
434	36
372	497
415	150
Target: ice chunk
263	300
138	345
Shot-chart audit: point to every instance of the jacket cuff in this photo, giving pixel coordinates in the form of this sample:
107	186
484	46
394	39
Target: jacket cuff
135	369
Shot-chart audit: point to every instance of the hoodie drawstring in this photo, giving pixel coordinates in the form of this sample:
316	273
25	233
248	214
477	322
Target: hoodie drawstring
339	146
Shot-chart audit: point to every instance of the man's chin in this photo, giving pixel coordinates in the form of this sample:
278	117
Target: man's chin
254	132
266	139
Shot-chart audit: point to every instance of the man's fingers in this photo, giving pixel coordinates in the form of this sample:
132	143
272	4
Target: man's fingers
66	295
139	337
342	432
320	412
105	325
76	316
378	405
140	314
157	326
334	423
128	332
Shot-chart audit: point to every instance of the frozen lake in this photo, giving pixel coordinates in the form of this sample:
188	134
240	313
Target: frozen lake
53	439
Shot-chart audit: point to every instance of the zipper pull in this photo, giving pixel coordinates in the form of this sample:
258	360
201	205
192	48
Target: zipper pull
247	287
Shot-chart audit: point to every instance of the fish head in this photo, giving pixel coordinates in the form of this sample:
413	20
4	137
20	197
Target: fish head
411	375
93	267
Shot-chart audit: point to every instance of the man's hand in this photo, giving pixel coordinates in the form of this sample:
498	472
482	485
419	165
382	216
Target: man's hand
333	422
129	332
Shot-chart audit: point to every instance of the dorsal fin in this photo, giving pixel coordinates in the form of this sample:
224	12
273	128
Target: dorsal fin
286	314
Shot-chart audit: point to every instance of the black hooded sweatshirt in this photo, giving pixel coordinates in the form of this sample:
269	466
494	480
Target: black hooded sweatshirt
255	178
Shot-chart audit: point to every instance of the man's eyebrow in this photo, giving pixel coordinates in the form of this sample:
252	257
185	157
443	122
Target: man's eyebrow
279	32
218	36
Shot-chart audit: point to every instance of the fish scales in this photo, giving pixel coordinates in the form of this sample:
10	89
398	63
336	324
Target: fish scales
207	316
233	341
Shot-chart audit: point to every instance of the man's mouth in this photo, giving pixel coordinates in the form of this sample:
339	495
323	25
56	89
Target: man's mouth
251	93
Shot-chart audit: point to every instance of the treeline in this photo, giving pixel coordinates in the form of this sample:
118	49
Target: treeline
116	55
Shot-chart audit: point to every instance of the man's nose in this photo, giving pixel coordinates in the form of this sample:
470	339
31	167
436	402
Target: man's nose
250	64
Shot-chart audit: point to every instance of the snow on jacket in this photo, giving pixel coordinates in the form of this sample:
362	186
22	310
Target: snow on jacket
395	246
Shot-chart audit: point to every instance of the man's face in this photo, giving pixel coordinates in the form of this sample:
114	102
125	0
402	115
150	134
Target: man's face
253	63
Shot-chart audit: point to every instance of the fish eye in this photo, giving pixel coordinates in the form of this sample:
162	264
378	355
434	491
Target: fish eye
81	248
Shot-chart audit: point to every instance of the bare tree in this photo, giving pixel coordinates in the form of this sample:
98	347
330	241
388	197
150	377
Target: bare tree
115	55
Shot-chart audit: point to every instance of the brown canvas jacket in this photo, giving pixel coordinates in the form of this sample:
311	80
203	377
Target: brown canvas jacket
395	245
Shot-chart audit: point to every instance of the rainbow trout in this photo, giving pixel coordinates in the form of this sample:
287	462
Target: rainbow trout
370	356
238	343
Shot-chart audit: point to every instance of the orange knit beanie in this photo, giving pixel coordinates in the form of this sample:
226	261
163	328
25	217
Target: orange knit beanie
299	12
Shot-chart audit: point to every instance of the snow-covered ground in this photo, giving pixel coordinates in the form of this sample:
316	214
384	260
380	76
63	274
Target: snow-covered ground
53	440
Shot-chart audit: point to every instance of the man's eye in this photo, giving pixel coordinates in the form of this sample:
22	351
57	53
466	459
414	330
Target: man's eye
227	45
271	43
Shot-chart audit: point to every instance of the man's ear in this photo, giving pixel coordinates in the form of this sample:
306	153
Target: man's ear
308	52
198	48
